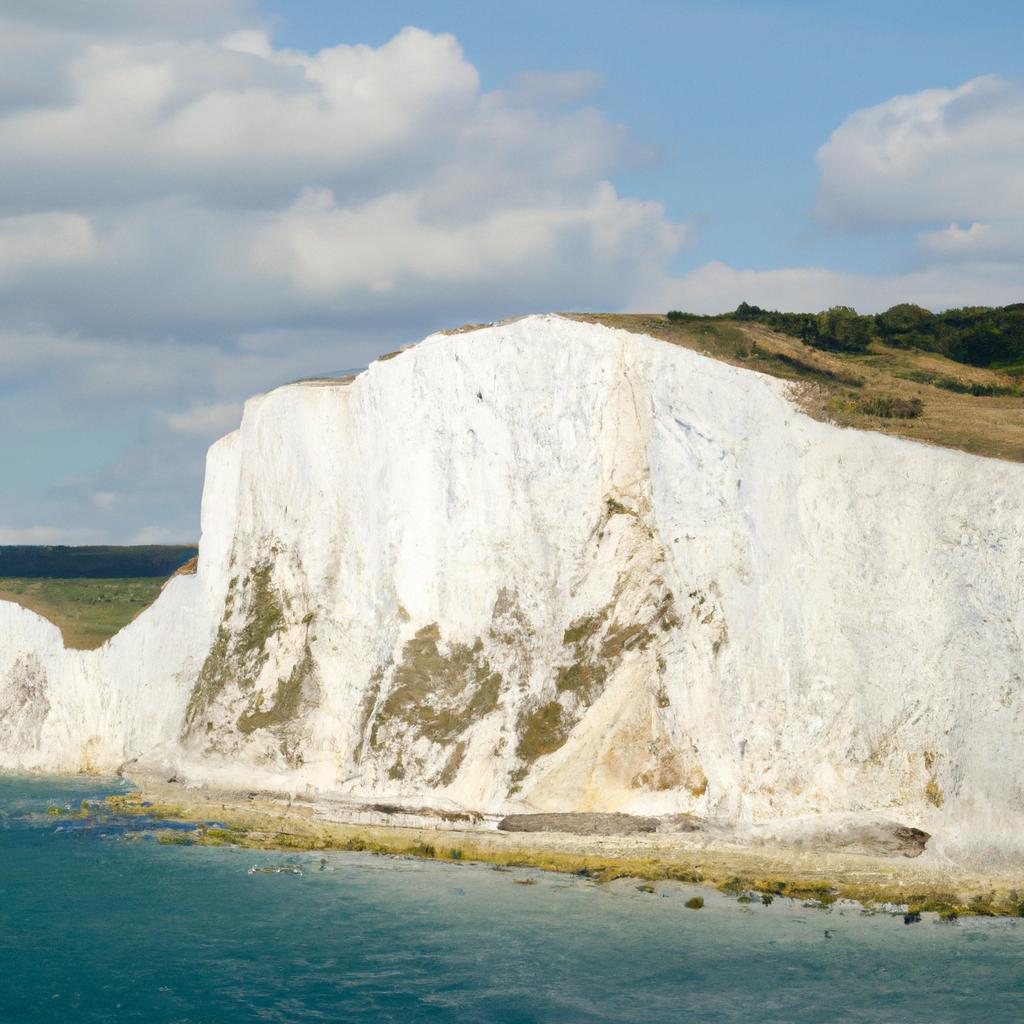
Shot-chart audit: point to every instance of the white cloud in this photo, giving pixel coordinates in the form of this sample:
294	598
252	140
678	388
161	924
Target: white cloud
44	535
105	499
207	420
229	186
159	535
716	287
938	155
254	41
146	119
392	243
41	240
976	241
949	157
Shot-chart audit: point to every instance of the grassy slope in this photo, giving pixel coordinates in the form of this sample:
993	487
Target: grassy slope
88	612
834	387
54	581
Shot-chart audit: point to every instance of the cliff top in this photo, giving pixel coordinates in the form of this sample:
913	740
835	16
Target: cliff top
906	392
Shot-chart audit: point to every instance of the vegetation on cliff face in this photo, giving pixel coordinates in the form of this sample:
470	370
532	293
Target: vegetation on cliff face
437	692
231	689
289	697
239	650
594	647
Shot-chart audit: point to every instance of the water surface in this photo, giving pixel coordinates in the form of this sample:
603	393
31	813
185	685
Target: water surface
103	923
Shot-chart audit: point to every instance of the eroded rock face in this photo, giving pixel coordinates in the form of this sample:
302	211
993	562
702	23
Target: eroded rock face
547	567
24	702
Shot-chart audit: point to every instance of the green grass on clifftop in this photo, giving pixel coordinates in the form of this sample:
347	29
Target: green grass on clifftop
87	612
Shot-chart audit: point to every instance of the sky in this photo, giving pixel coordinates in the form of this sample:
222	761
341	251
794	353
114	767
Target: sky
203	199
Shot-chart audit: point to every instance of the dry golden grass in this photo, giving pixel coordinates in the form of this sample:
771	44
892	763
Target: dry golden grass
834	387
190	568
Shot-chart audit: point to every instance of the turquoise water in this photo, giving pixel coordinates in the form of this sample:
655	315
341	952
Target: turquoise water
103	924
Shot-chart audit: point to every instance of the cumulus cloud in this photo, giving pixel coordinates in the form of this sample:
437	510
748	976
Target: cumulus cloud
239	121
940	168
206	420
937	155
43	240
716	287
1003	241
45	535
396	243
228	185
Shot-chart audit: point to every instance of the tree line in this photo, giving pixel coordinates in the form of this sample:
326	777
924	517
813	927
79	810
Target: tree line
989	336
100	561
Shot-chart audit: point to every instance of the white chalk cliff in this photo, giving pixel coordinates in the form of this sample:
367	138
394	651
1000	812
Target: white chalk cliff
551	566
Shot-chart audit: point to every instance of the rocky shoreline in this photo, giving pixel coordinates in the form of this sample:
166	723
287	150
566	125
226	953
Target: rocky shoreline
604	847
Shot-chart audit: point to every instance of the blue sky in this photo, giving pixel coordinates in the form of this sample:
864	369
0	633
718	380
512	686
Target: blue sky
733	99
201	199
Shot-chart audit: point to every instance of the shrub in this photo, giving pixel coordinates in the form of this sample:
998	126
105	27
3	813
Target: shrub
890	408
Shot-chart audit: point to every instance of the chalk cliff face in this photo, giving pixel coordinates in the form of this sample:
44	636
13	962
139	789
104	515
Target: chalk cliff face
552	566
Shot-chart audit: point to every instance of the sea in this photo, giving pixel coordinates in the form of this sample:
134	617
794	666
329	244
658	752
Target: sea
100	921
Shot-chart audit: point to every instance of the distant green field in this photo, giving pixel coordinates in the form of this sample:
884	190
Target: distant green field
88	612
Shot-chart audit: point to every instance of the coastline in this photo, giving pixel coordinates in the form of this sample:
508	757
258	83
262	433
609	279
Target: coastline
231	926
817	877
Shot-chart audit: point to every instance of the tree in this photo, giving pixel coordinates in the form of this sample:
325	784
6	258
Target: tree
906	326
841	327
744	311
